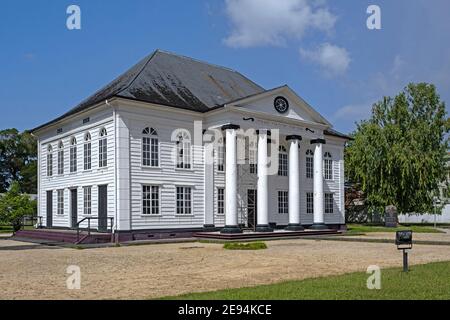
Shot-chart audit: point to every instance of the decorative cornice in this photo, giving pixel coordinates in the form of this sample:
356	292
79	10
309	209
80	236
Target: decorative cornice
318	141
294	137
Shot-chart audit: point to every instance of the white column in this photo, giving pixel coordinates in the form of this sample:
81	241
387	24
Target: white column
263	184
294	184
231	216
318	185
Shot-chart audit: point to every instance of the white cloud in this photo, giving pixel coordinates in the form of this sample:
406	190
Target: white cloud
333	60
272	22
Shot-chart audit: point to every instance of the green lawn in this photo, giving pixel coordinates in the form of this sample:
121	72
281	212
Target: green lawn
359	228
423	282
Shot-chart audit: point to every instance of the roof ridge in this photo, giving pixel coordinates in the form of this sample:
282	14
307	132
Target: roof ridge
207	63
149	57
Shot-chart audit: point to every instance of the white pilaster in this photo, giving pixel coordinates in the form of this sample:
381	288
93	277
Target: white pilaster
318	185
231	216
263	184
294	184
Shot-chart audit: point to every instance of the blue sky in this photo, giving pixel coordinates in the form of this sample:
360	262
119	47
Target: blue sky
322	49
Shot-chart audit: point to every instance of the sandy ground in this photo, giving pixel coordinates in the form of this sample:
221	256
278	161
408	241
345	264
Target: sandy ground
30	271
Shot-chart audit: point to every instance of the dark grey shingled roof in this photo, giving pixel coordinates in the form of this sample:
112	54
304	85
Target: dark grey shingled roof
175	81
334	133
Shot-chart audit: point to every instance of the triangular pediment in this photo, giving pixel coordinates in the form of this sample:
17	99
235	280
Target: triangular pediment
265	103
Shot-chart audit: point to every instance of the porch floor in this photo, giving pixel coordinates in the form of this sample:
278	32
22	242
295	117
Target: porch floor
248	234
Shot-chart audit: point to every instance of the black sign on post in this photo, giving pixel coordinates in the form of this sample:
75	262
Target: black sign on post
404	241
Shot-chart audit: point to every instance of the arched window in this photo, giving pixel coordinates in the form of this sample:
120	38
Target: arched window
103	149
183	150
150	148
49	161
328	166
60	158
309	164
73	155
282	162
87	156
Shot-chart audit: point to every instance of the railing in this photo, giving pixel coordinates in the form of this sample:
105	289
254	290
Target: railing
33	221
88	219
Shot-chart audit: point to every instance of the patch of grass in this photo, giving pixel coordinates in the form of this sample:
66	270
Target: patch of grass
245	246
360	228
423	282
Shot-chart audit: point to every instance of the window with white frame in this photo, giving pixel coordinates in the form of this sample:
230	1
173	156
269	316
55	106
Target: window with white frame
221	201
220	156
73	155
328	166
87	200
310	203
49	161
103	149
283	202
309	164
282	162
183	150
87	152
253	157
60	202
61	158
329	203
184	200
150	148
150	200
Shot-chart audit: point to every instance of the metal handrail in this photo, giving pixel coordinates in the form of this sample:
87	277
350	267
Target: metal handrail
111	219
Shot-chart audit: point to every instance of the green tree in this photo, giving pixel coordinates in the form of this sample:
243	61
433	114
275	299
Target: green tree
18	160
14	206
398	156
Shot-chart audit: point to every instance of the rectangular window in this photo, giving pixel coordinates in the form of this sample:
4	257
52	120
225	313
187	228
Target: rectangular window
221	201
310	203
49	165
184	155
87	200
87	156
73	159
150	200
329	203
328	168
283	202
150	152
61	162
282	164
309	167
60	194
103	152
184	200
220	158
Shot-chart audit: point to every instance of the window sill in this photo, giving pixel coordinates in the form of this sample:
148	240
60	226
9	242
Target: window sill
151	215
184	169
151	168
184	215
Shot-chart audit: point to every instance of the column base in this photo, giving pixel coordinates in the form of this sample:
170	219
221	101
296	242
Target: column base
263	228
231	230
209	228
318	226
294	227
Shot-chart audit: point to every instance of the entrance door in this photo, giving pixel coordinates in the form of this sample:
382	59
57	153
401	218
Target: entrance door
74	207
102	208
252	209
49	209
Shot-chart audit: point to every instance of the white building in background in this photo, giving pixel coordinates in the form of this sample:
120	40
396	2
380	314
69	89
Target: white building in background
137	155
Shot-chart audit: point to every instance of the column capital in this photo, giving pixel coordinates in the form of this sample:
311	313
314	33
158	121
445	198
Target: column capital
318	141
294	137
230	127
